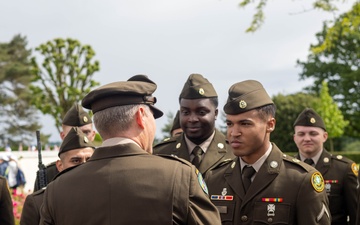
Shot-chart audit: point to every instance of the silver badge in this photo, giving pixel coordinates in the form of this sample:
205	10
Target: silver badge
233	165
328	187
274	164
220	145
224	192
271	210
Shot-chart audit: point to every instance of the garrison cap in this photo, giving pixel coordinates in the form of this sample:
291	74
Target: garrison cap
76	117
309	118
245	96
75	139
176	122
197	87
136	90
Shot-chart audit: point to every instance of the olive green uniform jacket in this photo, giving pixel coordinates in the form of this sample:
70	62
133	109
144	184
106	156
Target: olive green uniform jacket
6	206
281	193
217	152
31	210
341	186
123	184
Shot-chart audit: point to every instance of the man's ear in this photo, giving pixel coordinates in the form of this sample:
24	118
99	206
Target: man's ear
59	165
270	125
140	114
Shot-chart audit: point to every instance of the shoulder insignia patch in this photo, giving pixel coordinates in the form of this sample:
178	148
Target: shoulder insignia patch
202	182
355	169
317	181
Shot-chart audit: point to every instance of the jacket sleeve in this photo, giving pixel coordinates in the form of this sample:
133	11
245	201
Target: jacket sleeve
6	206
312	201
350	192
45	213
201	210
30	214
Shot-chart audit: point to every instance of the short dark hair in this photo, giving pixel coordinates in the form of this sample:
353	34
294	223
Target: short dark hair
266	111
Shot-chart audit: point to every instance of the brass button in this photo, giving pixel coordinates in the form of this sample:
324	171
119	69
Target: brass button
270	220
244	218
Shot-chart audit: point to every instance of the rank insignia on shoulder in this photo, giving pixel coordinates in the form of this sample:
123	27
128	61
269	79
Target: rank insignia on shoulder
355	169
317	181
202	182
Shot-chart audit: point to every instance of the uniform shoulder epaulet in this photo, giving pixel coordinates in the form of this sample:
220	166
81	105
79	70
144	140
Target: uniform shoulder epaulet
39	192
65	171
174	157
51	164
342	158
354	167
295	161
223	163
166	141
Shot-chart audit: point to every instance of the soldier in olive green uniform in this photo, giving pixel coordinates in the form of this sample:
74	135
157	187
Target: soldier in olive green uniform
75	117
200	143
75	150
6	205
340	174
123	183
263	185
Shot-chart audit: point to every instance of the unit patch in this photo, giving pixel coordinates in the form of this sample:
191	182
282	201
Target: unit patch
355	169
317	181
202	182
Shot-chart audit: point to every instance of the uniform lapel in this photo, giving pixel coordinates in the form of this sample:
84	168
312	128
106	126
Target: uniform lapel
215	151
266	174
181	149
323	165
233	177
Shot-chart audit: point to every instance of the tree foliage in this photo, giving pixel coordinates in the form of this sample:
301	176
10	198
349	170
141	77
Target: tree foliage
288	107
19	119
63	77
336	59
331	115
259	16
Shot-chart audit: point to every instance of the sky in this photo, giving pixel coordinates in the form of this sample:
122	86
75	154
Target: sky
169	40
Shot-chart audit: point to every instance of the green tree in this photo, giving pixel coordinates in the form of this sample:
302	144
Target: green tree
19	119
336	59
167	127
331	114
288	107
259	16
63	77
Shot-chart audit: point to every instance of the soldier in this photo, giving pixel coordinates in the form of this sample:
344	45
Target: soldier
340	173
176	128
6	205
123	183
262	185
75	150
201	143
75	117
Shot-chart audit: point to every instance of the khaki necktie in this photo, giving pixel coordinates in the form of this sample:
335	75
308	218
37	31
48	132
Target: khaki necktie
248	172
197	152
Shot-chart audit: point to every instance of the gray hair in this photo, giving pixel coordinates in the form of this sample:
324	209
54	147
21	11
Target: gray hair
115	120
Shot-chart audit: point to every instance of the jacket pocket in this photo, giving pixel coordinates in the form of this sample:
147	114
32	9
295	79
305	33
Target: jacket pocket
271	213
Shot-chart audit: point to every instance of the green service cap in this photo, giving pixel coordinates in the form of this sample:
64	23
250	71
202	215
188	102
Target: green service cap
245	96
136	90
309	118
197	87
75	139
76	117
176	122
